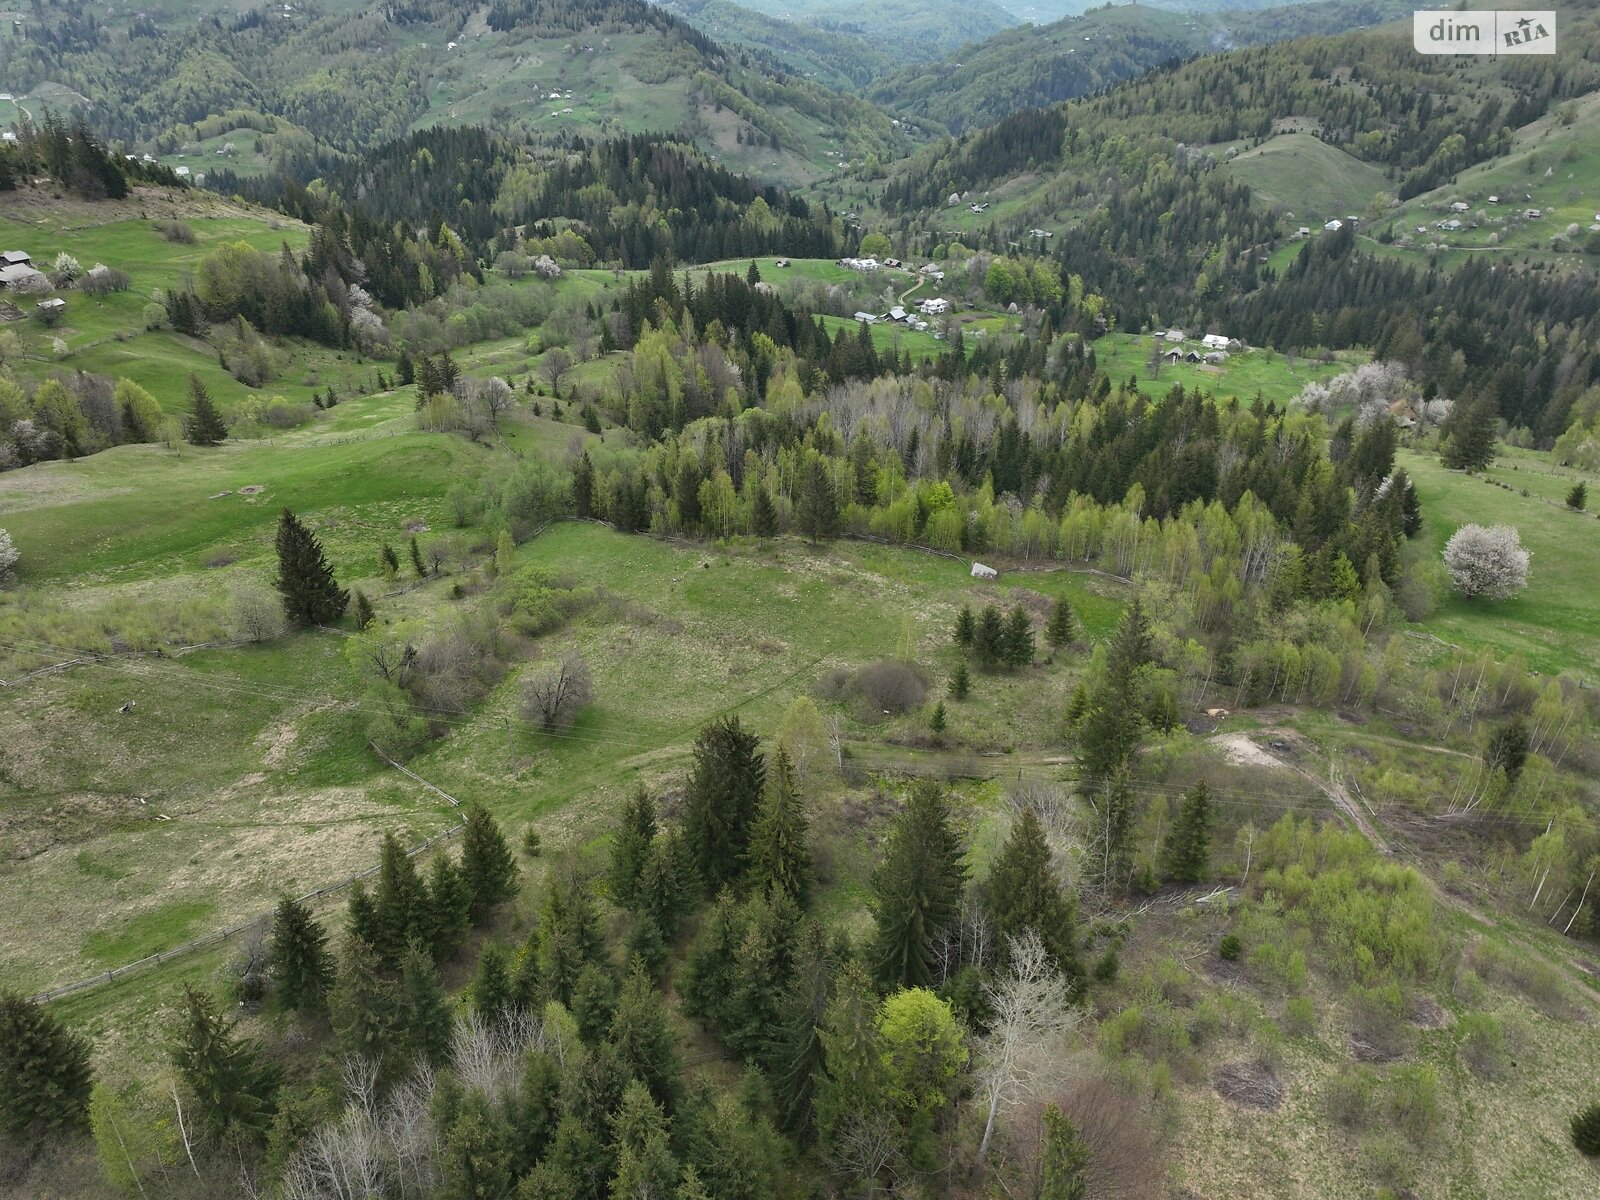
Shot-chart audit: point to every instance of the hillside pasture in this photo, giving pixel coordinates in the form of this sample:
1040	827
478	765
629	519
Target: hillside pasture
1553	624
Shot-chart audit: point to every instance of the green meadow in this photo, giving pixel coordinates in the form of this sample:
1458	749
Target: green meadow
1273	375
1554	624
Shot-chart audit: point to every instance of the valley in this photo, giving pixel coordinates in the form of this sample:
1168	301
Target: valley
611	601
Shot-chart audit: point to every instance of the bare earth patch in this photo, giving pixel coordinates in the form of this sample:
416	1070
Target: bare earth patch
1241	751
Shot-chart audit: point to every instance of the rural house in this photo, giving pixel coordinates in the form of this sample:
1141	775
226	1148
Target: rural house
1215	341
935	306
979	571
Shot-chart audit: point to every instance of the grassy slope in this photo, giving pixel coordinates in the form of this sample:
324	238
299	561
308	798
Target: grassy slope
1307	177
1275	376
1554	624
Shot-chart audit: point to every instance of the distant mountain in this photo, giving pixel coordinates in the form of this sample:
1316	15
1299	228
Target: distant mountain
1036	65
907	30
300	87
837	60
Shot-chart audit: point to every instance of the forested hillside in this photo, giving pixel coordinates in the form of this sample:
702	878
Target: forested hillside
269	91
1037	65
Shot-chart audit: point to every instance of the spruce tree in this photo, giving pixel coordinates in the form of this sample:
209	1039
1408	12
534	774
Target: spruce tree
402	904
1017	645
45	1077
853	1085
232	1092
424	1022
1578	497
1410	506
1469	433
363	1004
667	884
204	425
361	915
642	1035
417	565
763	515
966	627
311	595
491	984
1064	1161
1187	854
475	1160
721	800
960	683
364	614
706	982
583	486
816	502
389	561
780	858
938	721
1114	721
1024	895
630	846
486	862
797	1052
594	999
646	1167
762	966
916	888
989	639
449	907
1062	628
299	957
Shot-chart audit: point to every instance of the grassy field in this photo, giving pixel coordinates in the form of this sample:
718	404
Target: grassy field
1304	175
1554	624
1275	376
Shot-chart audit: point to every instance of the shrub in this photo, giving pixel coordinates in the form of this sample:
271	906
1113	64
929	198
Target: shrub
1586	1131
1300	1016
103	280
892	687
1483	1045
9	556
1230	947
532	844
1413	1101
176	231
1350	1097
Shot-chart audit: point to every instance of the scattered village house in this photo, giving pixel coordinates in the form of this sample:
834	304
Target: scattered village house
869	318
934	307
51	309
1334	225
979	571
1173	335
1215	341
16	267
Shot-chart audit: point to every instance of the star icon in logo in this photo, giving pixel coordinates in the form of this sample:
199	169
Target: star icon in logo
1524	23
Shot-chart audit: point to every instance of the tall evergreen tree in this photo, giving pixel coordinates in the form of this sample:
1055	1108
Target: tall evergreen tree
1111	727
852	1085
1578	497
643	1038
1187	854
916	888
204	425
475	1160
1062	1174
233	1093
486	862
299	957
45	1077
763	515
492	994
721	800
363	1004
630	846
417	565
1017	643
707	980
780	857
361	920
311	595
646	1168
1024	895
424	1013
798	1058
402	904
667	884
816	512
449	907
1062	628
989	639
966	627
1469	433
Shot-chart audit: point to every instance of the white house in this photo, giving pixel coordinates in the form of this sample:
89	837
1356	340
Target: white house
1460	206
1533	214
1450	226
1494	199
869	318
979	571
181	171
1334	225
1303	231
1215	341
934	307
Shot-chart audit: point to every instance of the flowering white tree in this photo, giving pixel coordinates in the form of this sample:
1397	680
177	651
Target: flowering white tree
1487	561
8	556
